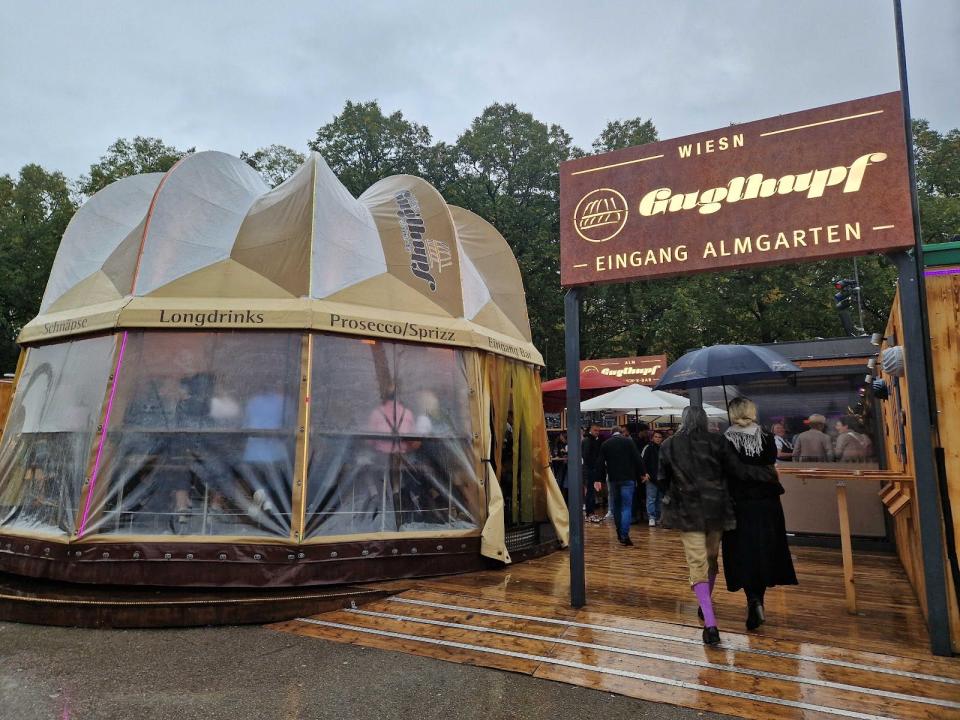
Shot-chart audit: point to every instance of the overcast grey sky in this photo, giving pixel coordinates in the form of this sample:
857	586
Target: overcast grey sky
234	76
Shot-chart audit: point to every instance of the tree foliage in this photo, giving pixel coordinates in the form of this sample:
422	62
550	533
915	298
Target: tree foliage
938	182
35	208
130	157
275	163
506	171
504	167
620	134
362	145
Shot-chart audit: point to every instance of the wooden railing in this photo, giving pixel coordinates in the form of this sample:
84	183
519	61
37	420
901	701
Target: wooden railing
894	494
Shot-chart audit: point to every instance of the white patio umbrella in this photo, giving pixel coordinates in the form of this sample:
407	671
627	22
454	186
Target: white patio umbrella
644	402
680	402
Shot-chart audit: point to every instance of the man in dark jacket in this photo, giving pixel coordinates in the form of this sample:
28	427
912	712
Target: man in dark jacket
651	459
622	465
590	453
640	434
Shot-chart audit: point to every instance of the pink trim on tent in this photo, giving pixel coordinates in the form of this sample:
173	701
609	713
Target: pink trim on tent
146	227
103	439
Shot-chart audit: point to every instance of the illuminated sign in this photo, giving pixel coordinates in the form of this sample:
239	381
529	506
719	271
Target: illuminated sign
645	370
824	183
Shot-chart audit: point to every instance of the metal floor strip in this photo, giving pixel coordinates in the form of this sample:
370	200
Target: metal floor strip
840	712
669	658
688	641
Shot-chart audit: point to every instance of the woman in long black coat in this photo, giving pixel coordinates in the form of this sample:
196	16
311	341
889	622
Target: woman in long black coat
755	554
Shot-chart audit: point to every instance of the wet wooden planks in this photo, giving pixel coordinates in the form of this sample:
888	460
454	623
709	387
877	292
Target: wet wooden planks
639	636
750	677
649	580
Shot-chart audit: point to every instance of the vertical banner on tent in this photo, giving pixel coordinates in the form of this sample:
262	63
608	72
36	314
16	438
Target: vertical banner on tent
419	239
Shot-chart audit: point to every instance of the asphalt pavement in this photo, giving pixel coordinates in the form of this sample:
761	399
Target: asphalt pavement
253	672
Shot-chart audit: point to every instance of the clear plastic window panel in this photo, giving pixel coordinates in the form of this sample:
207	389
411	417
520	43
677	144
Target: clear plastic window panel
49	434
202	436
391	443
847	431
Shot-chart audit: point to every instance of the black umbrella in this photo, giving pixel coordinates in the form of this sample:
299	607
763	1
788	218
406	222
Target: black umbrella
720	364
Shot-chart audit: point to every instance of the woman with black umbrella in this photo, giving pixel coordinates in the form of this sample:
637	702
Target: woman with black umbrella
755	553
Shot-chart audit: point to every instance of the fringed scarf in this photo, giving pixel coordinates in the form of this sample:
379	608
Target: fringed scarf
747	440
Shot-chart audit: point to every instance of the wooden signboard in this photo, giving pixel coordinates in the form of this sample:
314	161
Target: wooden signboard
823	183
644	370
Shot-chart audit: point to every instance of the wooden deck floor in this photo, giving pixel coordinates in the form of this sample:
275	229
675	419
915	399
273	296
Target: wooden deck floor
639	634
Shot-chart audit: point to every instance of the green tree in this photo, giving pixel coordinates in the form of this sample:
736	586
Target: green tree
275	163
35	208
620	134
362	145
938	181
130	157
507	171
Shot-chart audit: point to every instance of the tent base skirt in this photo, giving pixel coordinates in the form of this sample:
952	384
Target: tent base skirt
193	564
47	602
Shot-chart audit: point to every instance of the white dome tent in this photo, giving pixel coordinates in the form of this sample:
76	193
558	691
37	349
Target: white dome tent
281	387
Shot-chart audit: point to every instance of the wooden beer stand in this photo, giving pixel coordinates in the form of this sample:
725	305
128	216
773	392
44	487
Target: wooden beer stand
841	476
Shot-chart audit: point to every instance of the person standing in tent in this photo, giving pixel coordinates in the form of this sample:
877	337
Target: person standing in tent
392	424
755	553
852	444
813	445
640	434
694	466
590	453
784	446
620	461
651	459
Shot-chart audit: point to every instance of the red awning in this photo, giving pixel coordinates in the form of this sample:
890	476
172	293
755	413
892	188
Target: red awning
591	385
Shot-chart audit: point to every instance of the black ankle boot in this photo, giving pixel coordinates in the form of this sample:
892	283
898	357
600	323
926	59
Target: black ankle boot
711	635
755	616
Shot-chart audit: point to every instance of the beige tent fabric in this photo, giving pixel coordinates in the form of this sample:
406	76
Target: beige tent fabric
494	260
95	289
121	266
276	235
493	543
389	291
515	387
346	243
224	279
419	238
195	216
94	233
91	318
492	317
544	480
210	236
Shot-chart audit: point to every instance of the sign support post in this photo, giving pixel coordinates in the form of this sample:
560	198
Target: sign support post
571	308
923	416
928	499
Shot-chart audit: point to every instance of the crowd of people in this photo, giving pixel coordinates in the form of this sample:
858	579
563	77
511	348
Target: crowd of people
721	491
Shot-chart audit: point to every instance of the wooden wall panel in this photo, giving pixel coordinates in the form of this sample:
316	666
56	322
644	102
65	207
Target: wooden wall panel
943	298
943	304
6	394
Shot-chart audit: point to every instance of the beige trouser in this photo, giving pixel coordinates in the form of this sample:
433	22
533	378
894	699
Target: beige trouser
701	550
